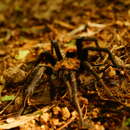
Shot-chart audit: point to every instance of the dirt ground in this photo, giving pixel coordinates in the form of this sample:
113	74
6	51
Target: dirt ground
65	65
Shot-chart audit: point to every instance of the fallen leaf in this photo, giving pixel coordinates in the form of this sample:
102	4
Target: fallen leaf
22	54
7	98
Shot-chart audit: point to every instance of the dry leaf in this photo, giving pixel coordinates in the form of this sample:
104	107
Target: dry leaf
65	113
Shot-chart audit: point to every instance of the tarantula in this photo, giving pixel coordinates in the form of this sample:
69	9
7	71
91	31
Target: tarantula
66	68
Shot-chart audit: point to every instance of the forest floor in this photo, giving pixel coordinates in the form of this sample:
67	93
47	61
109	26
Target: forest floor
38	85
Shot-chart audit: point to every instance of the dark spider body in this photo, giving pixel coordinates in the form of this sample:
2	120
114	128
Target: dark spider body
66	68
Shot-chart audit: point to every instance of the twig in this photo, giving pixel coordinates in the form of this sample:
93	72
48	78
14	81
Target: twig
77	30
64	24
24	119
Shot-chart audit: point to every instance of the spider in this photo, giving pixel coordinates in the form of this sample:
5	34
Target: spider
65	68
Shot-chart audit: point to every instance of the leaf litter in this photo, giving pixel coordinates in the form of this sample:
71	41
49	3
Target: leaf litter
26	32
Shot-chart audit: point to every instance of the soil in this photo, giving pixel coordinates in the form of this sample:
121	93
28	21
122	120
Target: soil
48	82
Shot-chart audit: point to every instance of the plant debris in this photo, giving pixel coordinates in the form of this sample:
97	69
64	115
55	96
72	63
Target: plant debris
65	64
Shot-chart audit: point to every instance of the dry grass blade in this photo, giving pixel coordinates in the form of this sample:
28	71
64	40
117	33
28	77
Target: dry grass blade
24	119
77	30
64	24
97	25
